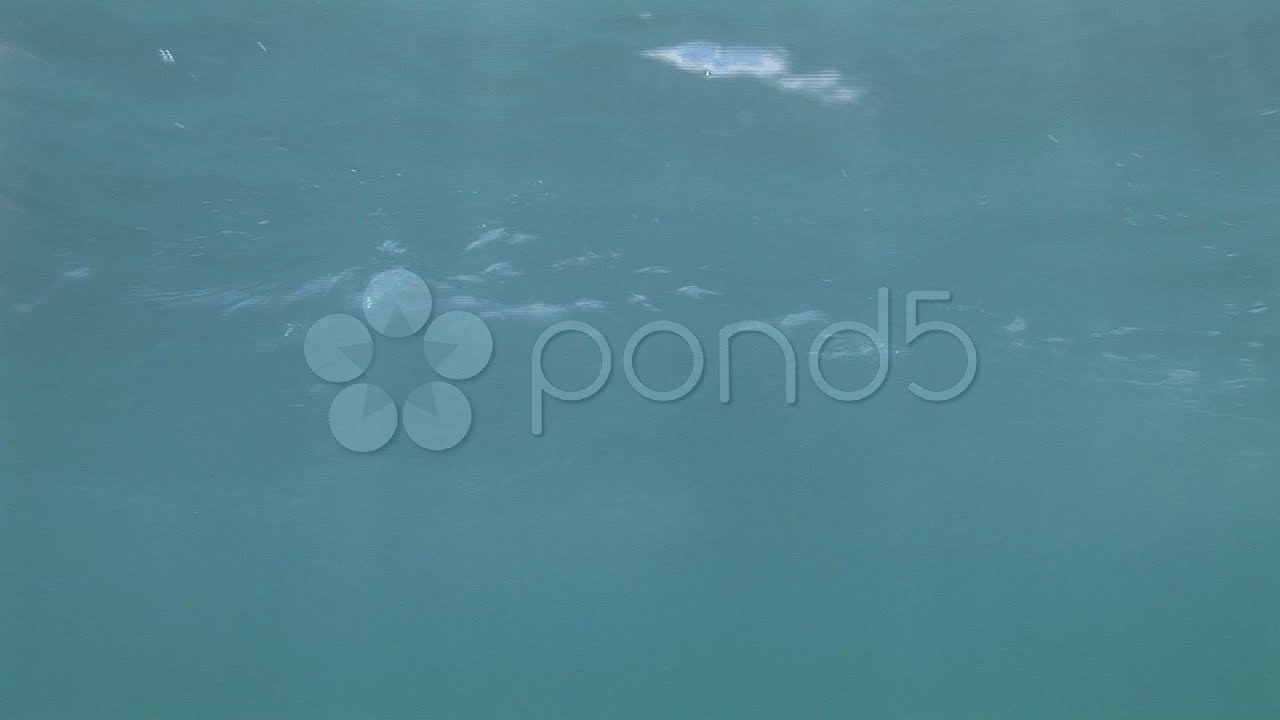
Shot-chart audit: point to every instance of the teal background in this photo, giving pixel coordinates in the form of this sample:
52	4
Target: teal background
1090	531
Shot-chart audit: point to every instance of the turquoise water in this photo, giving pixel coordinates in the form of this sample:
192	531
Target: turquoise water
1088	531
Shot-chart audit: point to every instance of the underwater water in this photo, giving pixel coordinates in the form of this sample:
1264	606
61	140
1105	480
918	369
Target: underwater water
293	426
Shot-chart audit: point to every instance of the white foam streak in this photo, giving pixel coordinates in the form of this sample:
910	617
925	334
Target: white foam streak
770	64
